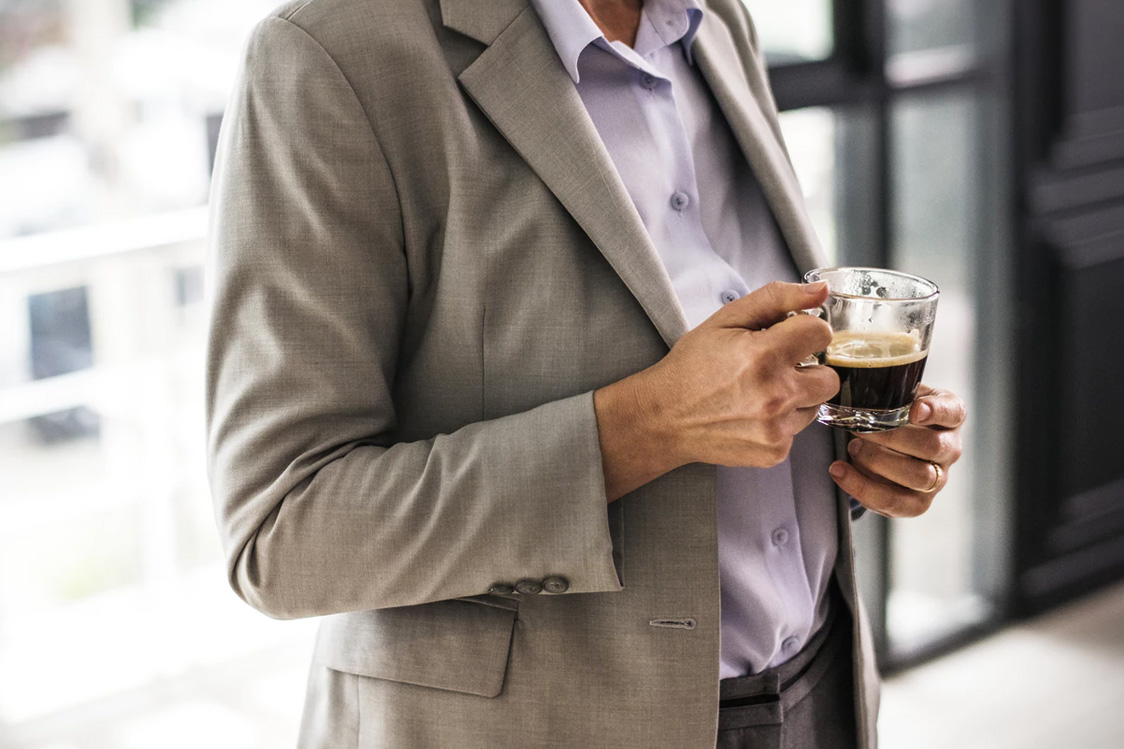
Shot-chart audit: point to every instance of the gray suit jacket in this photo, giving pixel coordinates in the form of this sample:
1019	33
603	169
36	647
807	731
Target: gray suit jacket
423	263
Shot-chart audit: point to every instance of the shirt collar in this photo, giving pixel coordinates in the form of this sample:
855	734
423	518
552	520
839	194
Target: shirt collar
571	29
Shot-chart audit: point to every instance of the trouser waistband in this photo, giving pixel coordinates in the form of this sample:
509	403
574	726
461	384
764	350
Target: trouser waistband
774	684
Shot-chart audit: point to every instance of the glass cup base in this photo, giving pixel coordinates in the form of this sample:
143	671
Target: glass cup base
863	420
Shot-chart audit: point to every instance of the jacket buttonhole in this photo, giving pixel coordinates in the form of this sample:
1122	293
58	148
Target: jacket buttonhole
673	623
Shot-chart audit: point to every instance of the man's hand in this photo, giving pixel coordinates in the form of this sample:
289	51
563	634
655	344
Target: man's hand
728	393
893	473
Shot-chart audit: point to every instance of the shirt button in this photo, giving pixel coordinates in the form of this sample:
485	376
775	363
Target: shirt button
790	643
728	296
680	200
780	537
648	81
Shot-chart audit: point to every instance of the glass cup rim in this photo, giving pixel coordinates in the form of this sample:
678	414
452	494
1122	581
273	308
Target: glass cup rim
936	292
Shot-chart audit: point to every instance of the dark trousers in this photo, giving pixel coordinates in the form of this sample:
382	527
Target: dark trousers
806	703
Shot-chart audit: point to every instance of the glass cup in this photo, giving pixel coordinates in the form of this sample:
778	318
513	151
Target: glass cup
882	322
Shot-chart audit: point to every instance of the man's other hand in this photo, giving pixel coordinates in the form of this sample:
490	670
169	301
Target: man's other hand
895	473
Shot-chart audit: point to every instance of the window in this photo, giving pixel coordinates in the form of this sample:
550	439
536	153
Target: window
794	31
893	127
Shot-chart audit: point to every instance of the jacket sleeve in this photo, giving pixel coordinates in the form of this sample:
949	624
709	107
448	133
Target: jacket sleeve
318	511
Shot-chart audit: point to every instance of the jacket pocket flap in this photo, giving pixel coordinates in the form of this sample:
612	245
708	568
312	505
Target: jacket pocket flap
461	646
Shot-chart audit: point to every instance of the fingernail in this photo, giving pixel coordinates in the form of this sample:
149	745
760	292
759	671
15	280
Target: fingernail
924	411
853	447
836	470
812	289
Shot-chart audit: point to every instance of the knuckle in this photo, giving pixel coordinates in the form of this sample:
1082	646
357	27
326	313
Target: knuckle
934	443
820	333
902	509
958	410
812	332
759	361
773	294
917	504
774	290
779	451
766	363
948	409
906	504
926	476
892	507
771	460
948	445
828	383
860	485
773	445
773	407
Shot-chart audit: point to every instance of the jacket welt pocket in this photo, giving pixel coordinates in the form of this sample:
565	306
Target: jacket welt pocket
460	645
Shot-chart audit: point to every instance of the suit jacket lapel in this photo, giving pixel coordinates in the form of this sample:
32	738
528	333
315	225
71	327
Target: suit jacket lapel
522	87
718	59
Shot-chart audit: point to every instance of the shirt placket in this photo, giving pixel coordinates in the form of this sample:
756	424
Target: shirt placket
703	281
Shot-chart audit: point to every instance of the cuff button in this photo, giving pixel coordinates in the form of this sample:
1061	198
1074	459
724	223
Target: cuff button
528	587
501	589
555	585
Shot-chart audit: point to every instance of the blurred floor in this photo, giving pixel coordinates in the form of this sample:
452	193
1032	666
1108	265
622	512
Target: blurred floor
1054	681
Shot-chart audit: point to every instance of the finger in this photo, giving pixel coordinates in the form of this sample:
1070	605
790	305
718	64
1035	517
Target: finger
816	385
765	306
937	408
912	473
796	338
926	443
877	494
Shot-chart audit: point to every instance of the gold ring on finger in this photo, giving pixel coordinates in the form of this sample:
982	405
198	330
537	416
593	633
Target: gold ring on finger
936	479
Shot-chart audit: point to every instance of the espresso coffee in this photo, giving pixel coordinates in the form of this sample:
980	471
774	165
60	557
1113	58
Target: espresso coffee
878	371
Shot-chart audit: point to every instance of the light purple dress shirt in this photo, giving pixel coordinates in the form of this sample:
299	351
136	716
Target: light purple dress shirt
714	232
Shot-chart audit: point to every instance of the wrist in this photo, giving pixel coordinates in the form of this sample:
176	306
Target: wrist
638	439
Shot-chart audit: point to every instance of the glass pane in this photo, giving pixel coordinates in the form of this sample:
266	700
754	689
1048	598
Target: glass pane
794	31
105	105
68	538
944	182
810	137
926	24
831	152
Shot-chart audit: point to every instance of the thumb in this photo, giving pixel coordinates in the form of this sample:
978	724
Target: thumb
769	304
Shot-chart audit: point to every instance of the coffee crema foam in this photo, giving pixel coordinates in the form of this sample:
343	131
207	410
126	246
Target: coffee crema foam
873	349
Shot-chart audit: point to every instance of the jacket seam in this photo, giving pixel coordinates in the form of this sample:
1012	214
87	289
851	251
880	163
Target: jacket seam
292	13
366	115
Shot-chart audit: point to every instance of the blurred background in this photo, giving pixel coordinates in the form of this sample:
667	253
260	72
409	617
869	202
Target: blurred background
979	143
